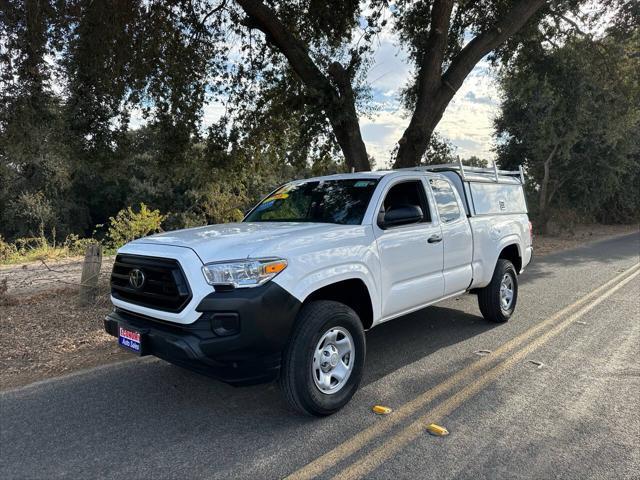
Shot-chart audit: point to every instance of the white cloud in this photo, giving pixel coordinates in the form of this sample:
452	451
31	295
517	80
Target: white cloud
467	122
381	134
390	68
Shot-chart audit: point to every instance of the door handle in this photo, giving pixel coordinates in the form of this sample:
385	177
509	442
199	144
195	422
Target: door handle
434	239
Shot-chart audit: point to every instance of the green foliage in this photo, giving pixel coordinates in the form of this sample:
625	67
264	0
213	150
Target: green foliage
70	160
439	151
574	111
128	225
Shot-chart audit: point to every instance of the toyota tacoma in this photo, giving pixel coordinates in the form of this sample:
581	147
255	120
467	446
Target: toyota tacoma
289	292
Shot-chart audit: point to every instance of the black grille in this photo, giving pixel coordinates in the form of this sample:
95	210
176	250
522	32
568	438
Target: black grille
164	288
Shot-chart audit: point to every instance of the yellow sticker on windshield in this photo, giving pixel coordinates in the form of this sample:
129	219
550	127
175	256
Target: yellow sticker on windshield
277	196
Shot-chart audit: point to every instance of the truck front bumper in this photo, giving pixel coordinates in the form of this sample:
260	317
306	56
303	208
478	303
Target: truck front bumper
238	338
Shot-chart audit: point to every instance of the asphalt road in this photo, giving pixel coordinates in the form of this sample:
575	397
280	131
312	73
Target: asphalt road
576	416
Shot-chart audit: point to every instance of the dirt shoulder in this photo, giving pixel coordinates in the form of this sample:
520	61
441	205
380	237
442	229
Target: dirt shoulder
49	334
46	332
579	235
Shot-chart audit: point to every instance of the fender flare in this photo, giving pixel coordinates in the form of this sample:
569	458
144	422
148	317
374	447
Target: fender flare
324	277
507	241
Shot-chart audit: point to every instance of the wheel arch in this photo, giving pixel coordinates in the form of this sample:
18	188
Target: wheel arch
352	292
511	252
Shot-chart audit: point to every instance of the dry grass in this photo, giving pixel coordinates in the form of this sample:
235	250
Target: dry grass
50	333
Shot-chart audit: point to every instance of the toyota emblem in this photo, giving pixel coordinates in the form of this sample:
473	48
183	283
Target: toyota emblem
136	278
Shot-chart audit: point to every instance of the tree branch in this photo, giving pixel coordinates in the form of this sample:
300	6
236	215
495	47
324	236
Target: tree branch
264	18
338	103
570	22
485	42
431	65
201	25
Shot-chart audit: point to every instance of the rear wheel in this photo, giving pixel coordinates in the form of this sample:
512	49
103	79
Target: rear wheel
497	301
322	365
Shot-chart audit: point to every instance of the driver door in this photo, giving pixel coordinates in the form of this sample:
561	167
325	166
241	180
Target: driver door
411	256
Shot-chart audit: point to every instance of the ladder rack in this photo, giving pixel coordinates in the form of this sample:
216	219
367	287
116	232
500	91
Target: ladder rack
471	174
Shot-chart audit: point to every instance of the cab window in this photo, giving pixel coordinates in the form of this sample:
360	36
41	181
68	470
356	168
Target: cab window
409	193
445	200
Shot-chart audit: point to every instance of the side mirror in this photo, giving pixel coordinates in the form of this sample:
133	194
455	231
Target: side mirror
401	215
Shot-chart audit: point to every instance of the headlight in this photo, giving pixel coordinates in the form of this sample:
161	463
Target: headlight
243	273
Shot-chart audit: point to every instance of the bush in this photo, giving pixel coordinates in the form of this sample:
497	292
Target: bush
7	250
128	225
29	249
76	245
565	220
27	245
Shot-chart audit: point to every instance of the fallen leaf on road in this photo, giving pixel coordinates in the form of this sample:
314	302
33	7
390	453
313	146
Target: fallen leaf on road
539	364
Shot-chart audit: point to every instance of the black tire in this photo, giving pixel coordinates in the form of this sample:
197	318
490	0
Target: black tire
296	377
489	296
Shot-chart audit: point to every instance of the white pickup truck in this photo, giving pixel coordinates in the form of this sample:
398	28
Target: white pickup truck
289	292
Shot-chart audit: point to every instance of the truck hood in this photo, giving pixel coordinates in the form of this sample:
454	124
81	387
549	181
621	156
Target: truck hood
232	241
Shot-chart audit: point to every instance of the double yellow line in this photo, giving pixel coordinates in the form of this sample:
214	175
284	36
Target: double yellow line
375	458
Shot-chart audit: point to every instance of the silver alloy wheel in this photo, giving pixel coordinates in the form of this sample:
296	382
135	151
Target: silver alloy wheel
333	360
506	292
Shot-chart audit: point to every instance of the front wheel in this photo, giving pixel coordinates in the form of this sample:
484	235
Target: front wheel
322	365
497	301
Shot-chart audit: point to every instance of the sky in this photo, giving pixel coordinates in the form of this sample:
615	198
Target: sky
467	122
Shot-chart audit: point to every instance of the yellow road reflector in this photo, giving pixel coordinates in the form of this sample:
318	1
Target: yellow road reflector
380	410
437	430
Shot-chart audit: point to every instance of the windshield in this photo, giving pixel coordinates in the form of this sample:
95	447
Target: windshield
329	201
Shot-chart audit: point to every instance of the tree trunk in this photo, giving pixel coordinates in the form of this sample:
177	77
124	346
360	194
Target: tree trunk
543	200
347	132
436	89
417	136
344	120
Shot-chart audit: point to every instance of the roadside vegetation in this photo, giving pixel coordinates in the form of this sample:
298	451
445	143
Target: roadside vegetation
127	225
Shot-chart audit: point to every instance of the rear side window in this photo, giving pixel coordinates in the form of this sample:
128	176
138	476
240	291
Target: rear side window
445	200
496	198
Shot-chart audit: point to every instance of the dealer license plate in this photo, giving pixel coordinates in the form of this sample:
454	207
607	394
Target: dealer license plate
130	340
